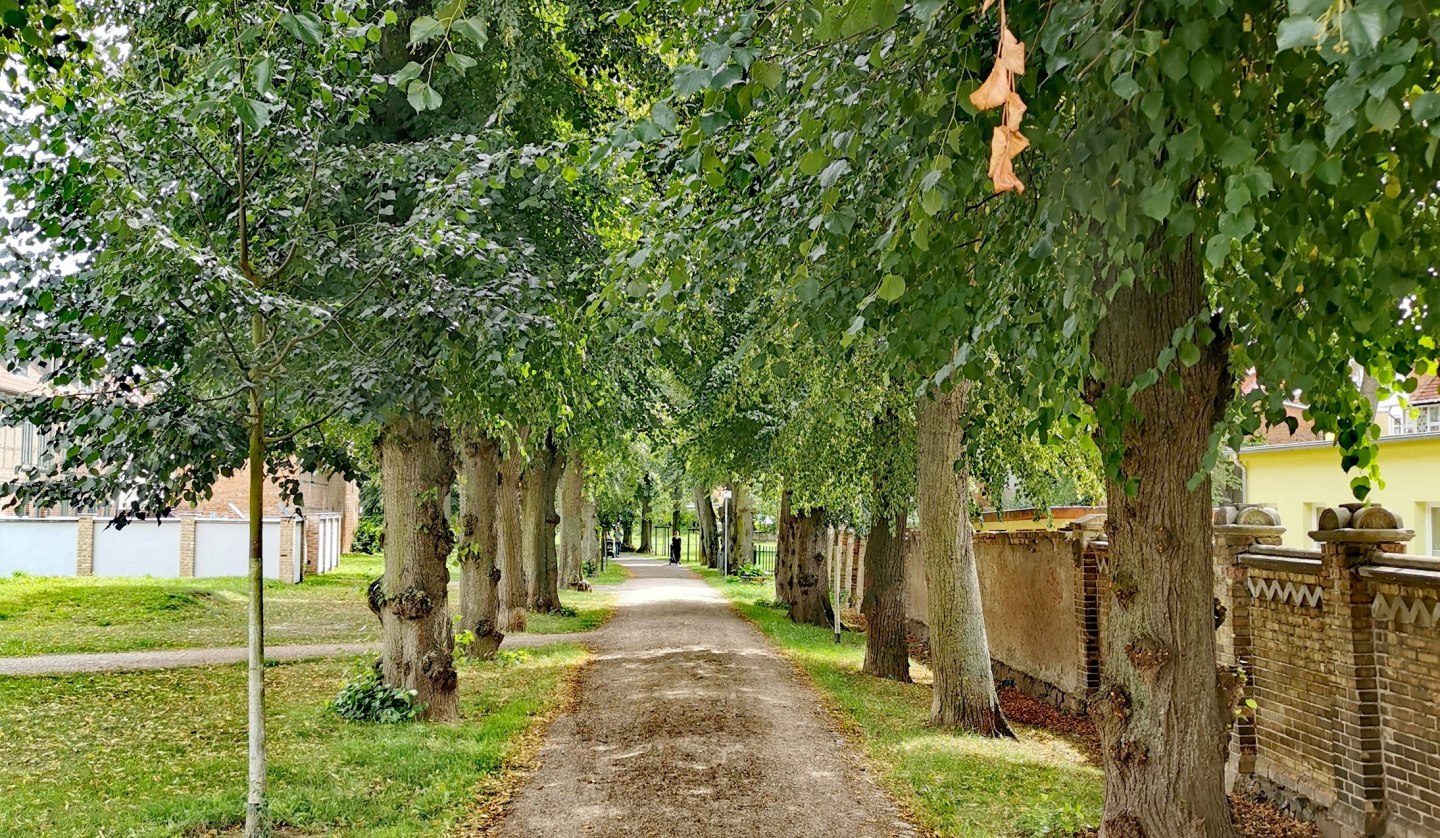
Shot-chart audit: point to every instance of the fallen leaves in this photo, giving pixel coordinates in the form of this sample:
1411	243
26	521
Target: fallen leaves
999	91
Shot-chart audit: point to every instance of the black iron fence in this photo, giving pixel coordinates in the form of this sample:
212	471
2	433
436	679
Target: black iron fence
765	558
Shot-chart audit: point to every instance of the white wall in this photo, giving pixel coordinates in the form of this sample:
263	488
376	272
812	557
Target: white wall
38	546
143	548
222	547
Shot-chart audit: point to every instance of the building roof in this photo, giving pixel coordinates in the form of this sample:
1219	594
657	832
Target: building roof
1427	391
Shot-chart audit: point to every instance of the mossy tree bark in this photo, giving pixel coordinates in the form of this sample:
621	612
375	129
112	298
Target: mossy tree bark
887	652
785	552
541	520
572	524
1162	714
963	695
705	517
811	587
509	532
416	470
479	551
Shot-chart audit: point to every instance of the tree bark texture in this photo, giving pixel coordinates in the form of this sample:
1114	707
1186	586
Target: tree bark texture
785	553
513	587
745	528
416	470
590	534
705	517
887	652
1163	718
479	551
811	602
646	544
257	804
572	524
963	695
541	520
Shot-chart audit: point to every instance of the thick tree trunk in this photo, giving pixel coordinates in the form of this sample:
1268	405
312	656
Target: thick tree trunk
541	479
1161	717
590	535
416	470
572	525
963	695
705	516
627	535
811	602
887	653
745	528
510	537
785	552
479	551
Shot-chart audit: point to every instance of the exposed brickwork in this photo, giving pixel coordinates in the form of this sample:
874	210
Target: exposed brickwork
187	546
85	546
1407	656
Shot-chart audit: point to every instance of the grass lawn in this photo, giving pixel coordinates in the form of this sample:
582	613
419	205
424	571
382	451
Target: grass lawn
956	785
163	753
51	615
591	607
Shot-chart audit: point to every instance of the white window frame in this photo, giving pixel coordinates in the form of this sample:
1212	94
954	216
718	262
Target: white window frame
1427	421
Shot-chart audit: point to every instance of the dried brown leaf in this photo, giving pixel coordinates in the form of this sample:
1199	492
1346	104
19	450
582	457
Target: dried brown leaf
995	91
1014	111
1012	52
985	7
1005	144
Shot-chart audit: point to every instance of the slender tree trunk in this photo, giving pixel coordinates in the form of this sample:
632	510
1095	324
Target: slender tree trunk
785	541
510	538
480	545
887	653
1160	709
416	470
572	524
538	508
257	805
811	602
705	517
963	695
590	535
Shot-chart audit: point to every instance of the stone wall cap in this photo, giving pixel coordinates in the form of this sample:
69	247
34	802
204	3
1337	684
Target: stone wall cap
1249	529
1355	536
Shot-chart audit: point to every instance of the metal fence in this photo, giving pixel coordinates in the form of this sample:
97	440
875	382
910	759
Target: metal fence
765	557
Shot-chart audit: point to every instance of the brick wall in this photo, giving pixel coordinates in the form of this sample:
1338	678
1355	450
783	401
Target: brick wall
320	493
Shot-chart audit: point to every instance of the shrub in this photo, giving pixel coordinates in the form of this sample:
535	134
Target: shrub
773	603
368	699
751	571
590	568
369	537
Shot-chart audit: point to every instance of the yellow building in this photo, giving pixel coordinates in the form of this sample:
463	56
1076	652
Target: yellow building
1301	478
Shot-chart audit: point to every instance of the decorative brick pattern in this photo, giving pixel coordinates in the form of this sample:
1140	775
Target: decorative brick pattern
1285	590
1407	658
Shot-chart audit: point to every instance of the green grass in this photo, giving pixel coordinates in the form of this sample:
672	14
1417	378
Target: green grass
163	753
957	785
46	615
591	608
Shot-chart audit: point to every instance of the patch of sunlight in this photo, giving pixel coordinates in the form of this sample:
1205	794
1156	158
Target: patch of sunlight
1031	748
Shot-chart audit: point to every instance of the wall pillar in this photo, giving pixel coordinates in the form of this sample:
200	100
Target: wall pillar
187	545
1237	531
288	548
1083	533
85	546
1350	536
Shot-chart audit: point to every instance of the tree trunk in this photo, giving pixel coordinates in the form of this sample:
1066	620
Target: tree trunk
572	525
744	528
705	517
480	545
590	538
541	479
963	695
627	535
416	470
887	653
1160	712
511	541
646	547
785	553
811	603
257	805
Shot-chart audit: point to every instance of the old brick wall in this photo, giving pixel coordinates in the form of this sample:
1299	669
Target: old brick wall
321	494
1407	648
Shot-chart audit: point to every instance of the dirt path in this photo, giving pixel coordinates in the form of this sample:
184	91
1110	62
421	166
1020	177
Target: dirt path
176	658
690	724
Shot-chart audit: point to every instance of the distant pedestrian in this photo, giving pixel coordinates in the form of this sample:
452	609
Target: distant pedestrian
675	549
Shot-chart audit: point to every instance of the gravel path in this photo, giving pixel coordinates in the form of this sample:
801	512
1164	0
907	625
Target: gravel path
690	724
175	658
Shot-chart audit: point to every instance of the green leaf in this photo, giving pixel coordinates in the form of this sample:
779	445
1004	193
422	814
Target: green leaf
472	29
405	74
892	287
1156	200
1297	32
1125	86
690	79
924	10
812	162
833	172
263	71
1189	354
1383	114
306	27
663	115
767	73
932	201
1425	107
459	61
253	113
425	28
422	97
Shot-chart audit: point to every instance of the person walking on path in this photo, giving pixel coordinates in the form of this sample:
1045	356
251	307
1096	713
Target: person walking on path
675	548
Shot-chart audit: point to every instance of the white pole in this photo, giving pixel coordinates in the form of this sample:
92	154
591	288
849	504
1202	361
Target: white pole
725	554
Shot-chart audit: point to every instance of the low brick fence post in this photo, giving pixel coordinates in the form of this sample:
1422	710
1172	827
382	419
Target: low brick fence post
1350	536
85	546
1236	531
187	545
287	548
